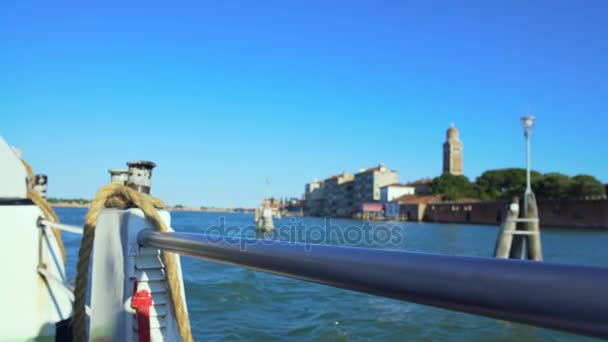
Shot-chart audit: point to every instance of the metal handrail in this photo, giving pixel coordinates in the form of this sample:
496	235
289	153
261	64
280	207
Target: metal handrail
565	297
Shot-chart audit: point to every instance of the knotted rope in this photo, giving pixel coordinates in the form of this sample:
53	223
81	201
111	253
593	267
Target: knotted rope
117	195
44	206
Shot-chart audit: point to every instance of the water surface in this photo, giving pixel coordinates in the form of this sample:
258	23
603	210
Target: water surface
232	303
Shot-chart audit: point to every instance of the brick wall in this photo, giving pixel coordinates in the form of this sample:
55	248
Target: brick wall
567	214
574	214
475	212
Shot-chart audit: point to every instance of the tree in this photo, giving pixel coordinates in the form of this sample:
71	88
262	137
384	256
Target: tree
586	186
454	187
505	183
553	186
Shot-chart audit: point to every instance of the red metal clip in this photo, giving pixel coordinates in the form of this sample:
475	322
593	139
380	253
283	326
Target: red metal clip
141	302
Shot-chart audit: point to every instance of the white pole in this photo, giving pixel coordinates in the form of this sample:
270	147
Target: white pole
528	170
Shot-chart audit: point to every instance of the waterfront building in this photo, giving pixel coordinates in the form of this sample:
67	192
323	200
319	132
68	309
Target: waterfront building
293	207
388	195
452	152
343	195
413	208
392	210
368	183
339	194
421	186
369	211
390	192
314	198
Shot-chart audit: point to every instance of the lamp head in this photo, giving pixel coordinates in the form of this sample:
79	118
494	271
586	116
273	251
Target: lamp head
527	122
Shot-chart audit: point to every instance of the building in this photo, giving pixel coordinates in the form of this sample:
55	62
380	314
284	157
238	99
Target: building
314	198
452	152
293	207
421	186
338	198
392	210
388	195
370	211
368	182
390	192
413	208
343	195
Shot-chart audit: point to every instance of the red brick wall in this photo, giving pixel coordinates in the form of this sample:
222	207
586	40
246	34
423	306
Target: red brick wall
574	214
567	214
481	212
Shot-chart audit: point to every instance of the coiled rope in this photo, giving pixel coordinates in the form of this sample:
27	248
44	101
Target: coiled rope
117	195
44	206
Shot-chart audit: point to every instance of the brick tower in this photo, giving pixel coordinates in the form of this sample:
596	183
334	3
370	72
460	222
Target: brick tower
452	152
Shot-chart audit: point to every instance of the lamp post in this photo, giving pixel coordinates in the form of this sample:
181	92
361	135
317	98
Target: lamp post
529	224
527	122
519	242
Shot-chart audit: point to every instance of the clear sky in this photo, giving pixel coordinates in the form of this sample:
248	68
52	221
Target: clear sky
225	94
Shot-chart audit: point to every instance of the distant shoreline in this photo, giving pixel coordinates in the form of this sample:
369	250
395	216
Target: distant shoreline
69	205
211	210
187	209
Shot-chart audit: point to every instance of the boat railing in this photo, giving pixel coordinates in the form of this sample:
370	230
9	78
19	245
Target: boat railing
565	297
60	226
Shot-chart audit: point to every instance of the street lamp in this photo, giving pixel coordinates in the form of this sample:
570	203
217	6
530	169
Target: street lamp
527	122
519	243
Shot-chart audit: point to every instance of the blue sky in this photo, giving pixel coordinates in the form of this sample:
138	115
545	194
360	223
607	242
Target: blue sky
224	94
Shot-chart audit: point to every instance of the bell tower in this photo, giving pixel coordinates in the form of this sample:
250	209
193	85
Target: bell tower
452	152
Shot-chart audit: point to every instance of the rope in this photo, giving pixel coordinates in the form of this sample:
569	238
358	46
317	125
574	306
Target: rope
117	195
44	206
30	174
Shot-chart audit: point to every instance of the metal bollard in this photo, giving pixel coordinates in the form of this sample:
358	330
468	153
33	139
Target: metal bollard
119	175
40	185
140	175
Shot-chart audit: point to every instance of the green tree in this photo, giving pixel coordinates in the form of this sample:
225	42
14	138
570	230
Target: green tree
586	186
505	183
454	187
553	186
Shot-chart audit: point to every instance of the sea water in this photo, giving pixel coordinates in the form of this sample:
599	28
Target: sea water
234	303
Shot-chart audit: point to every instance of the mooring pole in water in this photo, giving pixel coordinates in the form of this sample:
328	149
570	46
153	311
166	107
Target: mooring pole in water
505	236
140	175
527	238
532	226
267	217
119	175
40	185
